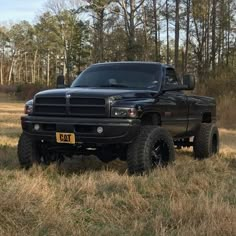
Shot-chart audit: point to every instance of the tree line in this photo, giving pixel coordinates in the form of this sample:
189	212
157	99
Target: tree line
196	36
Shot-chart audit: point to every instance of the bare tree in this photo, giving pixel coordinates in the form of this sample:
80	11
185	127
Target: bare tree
188	8
177	6
98	8
155	28
167	33
130	10
213	40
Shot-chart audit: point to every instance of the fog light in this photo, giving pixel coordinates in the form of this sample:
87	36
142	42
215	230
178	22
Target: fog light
36	127
100	129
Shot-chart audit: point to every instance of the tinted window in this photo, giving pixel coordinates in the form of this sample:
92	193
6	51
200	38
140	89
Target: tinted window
129	75
171	78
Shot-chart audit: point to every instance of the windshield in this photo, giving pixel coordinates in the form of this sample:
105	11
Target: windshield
126	75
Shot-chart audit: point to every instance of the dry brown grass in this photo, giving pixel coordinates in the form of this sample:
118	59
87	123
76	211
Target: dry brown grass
226	111
86	197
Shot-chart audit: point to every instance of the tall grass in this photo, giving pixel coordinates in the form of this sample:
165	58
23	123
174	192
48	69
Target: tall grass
86	197
226	110
222	86
190	198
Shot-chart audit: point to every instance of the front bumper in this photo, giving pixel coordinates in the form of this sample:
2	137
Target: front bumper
85	129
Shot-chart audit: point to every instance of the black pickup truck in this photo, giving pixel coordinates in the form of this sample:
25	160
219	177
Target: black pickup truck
134	111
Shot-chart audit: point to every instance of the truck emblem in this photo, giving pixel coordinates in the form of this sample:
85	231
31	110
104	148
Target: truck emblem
68	95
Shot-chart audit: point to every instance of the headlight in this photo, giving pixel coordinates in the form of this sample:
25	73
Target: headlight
29	107
123	112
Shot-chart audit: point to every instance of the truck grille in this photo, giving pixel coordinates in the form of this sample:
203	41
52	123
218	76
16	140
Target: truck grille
73	106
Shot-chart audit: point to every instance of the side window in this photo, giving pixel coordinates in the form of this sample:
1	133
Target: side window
171	78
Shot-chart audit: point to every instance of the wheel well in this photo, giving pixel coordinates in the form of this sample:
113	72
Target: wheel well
206	117
151	119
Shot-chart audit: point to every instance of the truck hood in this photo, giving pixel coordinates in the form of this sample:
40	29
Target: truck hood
117	94
88	102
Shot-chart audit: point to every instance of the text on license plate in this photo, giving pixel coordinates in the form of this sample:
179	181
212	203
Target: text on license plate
65	138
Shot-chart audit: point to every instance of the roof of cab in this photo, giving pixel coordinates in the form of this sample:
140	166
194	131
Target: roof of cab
134	62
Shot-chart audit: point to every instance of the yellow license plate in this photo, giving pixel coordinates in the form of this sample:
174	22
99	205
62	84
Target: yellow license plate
65	138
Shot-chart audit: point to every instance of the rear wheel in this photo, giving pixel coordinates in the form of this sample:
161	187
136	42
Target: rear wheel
153	147
206	142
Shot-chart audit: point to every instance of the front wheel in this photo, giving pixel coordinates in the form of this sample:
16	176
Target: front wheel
153	147
34	152
27	151
206	141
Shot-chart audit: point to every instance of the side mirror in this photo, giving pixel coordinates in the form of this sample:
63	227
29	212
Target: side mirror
189	82
60	81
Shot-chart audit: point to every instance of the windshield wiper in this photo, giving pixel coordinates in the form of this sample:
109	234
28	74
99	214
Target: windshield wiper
102	86
80	86
113	85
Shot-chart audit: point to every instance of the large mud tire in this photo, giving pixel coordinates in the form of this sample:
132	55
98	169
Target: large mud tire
206	142
28	151
153	147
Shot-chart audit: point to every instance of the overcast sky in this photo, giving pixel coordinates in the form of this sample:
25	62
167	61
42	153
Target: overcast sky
18	10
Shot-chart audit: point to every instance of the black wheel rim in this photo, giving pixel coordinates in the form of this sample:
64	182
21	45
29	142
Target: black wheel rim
160	153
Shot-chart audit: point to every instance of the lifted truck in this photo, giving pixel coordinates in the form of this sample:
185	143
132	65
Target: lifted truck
134	111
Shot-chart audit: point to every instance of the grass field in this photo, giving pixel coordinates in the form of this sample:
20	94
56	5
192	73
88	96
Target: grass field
86	197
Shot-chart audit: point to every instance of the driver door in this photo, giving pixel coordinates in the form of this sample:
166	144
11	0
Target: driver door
175	113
